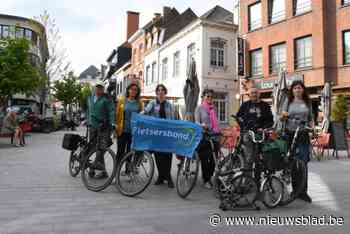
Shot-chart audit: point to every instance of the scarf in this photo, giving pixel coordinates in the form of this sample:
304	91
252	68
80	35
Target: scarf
212	116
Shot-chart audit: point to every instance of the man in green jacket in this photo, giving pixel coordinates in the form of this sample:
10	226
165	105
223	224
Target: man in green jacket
101	120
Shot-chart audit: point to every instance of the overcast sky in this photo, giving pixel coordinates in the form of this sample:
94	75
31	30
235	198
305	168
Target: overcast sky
92	28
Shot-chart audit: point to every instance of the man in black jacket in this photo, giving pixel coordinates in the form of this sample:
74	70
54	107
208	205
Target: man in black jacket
256	114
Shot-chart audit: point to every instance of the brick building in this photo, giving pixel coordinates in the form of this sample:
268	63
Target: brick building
307	38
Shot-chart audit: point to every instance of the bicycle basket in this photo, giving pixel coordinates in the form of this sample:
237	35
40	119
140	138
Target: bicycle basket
71	141
274	153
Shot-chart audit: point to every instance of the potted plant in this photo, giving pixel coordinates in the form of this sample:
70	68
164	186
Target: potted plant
339	114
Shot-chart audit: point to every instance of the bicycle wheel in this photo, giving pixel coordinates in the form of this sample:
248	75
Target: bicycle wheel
187	174
134	173
244	191
271	191
74	163
230	162
98	170
295	168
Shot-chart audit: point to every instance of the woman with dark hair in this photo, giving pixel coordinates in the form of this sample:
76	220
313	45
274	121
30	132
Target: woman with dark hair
205	115
125	107
162	108
295	110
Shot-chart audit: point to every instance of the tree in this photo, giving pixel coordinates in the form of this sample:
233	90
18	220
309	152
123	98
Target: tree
339	109
17	74
85	92
57	64
67	90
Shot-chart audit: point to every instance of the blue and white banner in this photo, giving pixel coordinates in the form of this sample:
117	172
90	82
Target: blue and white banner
162	135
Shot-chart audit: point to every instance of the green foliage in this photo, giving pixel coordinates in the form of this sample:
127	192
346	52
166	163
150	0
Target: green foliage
339	109
17	74
85	92
67	90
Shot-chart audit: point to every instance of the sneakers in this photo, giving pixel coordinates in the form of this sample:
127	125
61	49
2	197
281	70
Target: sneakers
208	185
305	197
170	184
159	182
102	175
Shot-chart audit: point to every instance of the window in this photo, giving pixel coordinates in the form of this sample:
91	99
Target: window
346	47
217	52
345	2
28	34
177	64
302	6
5	31
153	72
277	58
255	19
191	53
19	32
303	52
165	69
277	10
148	74
256	62
220	102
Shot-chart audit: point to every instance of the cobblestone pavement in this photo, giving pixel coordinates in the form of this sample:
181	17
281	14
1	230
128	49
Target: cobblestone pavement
37	195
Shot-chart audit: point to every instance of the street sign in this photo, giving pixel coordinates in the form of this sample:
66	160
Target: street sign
240	56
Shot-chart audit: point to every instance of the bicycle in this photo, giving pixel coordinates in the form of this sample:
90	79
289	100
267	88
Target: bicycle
293	166
240	188
129	172
83	158
188	169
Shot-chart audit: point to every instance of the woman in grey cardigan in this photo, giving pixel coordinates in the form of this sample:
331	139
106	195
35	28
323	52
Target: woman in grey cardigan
206	116
162	108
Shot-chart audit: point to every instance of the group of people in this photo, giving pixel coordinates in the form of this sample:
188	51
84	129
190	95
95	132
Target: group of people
254	113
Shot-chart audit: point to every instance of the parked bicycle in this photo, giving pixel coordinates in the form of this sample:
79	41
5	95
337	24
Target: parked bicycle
243	186
90	157
134	172
188	168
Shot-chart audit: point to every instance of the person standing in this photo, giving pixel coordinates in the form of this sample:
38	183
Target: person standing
295	110
130	103
255	113
205	115
101	120
162	108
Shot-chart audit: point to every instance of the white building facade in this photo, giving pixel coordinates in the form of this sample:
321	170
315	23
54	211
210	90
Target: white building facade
213	47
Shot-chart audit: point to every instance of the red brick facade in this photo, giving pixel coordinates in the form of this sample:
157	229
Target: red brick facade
325	22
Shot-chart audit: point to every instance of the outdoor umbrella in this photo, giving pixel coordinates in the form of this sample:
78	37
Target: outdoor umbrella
326	106
191	91
280	94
